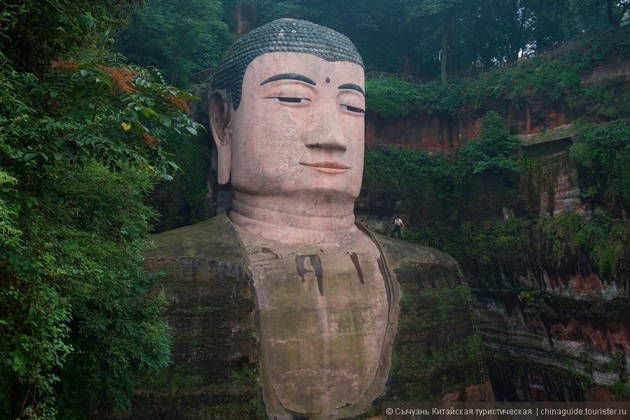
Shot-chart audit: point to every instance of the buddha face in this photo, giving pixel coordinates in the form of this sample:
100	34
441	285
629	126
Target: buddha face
299	128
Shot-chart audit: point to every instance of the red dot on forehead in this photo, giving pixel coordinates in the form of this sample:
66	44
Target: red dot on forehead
327	79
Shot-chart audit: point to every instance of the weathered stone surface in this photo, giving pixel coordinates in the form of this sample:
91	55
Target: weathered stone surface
534	121
327	315
437	352
552	188
216	372
578	353
440	133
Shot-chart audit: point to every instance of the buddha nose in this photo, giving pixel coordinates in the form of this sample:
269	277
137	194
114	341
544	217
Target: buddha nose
326	131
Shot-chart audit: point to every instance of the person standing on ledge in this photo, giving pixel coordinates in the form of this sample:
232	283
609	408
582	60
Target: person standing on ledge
398	224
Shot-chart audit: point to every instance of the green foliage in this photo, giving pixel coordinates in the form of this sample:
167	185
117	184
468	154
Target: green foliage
535	302
81	144
394	98
433	7
119	120
479	178
391	98
485	170
494	252
95	327
178	37
621	388
493	153
478	245
402	36
57	29
391	173
602	239
454	204
602	153
183	200
555	76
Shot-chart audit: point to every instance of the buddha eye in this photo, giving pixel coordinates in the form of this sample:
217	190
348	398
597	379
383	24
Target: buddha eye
353	109
289	99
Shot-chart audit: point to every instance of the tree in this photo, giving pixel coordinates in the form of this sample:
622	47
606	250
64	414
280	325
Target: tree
81	142
178	37
616	10
444	11
493	33
429	38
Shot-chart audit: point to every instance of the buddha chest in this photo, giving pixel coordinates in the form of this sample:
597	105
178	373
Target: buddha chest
323	314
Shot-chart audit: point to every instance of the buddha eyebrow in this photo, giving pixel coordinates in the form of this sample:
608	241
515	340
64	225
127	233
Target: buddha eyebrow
351	86
290	76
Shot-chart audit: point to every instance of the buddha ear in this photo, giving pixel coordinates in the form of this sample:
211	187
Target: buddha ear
221	125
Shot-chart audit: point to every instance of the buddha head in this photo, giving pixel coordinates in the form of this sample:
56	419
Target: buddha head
287	114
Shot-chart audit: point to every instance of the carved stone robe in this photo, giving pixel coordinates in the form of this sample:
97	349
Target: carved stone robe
263	329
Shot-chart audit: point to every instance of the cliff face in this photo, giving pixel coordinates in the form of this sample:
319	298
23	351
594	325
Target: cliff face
214	370
570	345
438	132
554	333
550	333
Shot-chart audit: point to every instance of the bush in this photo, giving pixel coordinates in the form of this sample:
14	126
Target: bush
602	153
82	140
394	98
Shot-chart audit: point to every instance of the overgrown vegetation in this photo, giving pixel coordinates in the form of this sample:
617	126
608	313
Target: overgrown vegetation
405	38
459	203
427	39
395	98
463	204
602	155
478	180
82	139
179	37
496	253
555	77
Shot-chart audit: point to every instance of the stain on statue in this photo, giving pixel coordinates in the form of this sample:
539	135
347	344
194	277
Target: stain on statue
287	112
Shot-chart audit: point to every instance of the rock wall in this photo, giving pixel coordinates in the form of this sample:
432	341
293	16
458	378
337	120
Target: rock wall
550	334
579	351
569	339
441	133
438	350
551	188
214	370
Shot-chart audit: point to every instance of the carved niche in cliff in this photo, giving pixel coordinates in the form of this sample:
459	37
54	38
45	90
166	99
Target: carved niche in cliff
285	296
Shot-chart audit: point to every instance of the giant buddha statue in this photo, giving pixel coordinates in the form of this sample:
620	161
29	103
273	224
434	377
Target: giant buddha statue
284	307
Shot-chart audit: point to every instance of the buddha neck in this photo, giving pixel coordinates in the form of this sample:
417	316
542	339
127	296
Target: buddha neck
308	218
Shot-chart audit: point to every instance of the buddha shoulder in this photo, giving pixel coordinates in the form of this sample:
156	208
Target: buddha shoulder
406	258
214	238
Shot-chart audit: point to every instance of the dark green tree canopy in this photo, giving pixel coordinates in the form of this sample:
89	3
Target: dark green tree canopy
180	37
423	38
